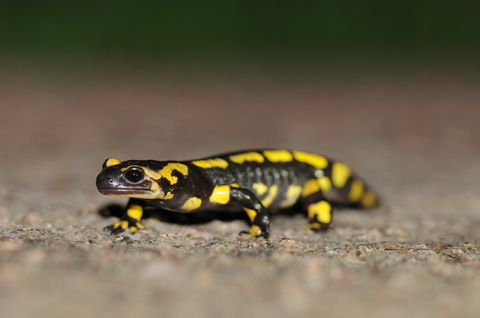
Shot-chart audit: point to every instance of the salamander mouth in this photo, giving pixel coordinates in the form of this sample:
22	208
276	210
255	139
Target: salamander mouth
124	192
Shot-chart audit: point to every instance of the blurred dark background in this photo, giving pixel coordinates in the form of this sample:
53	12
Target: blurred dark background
338	75
229	31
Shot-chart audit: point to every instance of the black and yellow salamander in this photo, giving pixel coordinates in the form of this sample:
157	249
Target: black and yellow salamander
256	181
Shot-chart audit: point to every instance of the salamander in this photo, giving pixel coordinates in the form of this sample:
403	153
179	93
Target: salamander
255	181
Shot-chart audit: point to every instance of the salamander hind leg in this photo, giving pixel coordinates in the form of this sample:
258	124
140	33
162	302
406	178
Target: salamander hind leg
130	219
319	215
320	212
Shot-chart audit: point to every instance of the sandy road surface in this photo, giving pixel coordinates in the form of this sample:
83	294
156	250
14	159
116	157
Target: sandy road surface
415	138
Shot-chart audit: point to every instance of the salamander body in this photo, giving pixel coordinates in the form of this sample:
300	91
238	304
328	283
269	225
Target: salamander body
257	181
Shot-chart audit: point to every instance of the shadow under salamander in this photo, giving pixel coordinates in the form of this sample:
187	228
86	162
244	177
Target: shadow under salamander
199	217
190	218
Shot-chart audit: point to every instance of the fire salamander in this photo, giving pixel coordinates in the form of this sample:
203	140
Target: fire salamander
256	181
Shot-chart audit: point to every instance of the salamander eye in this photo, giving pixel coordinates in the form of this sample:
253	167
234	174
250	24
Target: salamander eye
134	175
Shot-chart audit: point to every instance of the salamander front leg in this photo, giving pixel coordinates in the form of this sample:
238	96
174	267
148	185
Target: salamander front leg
256	212
130	219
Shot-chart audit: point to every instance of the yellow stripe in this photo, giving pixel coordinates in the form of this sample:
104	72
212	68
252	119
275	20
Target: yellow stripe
191	204
248	156
325	184
312	159
211	163
272	193
220	194
278	155
260	188
310	187
322	210
340	174
369	200
356	190
293	192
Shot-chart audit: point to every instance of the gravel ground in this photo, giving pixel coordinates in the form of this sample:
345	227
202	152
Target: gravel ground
414	137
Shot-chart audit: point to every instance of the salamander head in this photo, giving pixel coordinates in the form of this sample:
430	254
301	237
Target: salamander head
133	179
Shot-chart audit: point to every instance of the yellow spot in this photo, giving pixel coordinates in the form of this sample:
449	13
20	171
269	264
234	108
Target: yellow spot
191	204
211	163
368	200
310	187
220	194
325	184
168	196
111	162
248	156
166	172
340	174
320	211
133	229
135	211
259	188
293	192
121	224
272	193
255	230
317	161
312	226
278	155
251	214
234	185
356	190
154	193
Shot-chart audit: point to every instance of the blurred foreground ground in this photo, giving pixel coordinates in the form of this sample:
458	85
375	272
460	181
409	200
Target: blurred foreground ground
414	137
